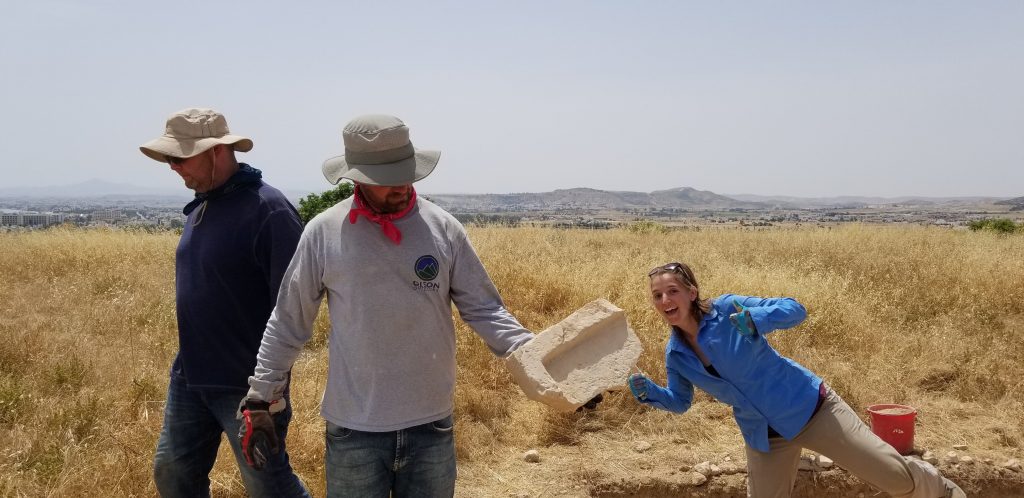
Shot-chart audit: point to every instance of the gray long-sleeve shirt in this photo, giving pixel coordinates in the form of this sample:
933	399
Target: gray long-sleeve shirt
392	339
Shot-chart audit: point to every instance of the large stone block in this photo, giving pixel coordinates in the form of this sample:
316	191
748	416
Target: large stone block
587	353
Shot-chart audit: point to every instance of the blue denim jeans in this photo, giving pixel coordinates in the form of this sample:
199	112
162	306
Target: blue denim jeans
414	462
191	435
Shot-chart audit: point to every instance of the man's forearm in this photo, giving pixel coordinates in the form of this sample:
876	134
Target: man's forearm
278	352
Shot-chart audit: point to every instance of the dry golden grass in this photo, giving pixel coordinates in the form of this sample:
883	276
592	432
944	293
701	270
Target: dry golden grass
923	316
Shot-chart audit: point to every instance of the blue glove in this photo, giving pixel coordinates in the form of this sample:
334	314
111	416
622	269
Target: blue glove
742	320
638	386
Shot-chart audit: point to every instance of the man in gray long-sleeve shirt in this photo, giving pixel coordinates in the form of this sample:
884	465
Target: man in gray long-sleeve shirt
390	264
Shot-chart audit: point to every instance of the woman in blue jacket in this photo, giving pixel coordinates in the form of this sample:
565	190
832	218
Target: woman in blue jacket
780	406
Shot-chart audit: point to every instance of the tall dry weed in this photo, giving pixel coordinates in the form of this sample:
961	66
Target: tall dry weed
924	316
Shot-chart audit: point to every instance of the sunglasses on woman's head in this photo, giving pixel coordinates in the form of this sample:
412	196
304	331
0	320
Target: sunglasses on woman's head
670	267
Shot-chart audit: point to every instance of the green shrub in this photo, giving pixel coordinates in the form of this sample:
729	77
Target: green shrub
647	226
314	204
495	220
999	225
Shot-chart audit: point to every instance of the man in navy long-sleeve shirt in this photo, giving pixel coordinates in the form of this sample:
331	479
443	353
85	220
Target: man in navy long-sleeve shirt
238	240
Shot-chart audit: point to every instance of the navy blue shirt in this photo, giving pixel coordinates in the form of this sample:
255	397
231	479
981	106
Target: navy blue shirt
237	243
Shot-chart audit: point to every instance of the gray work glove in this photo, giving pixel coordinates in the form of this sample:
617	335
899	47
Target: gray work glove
742	320
257	433
638	386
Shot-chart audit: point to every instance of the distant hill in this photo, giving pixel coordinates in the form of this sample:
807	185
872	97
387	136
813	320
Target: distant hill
1016	204
589	199
682	198
861	201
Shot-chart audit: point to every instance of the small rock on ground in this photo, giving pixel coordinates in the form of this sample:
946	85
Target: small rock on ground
952	457
531	456
703	468
696	479
729	469
823	462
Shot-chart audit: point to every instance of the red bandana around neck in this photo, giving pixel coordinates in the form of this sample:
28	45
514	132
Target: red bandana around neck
360	207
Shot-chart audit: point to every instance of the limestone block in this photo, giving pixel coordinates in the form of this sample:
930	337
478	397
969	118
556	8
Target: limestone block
587	353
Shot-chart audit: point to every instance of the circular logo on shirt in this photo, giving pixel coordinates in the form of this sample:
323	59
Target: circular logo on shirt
426	267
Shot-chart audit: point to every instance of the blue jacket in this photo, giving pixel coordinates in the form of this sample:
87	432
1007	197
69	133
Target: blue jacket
763	387
237	242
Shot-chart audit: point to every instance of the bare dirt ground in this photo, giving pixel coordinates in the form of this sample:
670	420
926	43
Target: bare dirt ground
607	467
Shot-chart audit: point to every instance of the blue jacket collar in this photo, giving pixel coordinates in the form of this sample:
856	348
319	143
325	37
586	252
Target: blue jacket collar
244	176
710	315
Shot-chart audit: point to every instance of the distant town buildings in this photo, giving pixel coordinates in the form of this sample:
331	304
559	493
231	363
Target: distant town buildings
92	216
512	210
108	215
31	219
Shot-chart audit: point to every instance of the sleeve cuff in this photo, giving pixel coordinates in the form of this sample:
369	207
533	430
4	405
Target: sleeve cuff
760	318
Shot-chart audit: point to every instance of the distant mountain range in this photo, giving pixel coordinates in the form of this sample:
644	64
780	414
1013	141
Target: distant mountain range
861	201
574	198
1017	203
589	199
677	198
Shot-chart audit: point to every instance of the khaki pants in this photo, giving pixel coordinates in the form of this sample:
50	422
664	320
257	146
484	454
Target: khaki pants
836	432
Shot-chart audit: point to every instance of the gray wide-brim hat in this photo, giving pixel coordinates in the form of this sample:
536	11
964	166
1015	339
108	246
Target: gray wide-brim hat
191	132
378	152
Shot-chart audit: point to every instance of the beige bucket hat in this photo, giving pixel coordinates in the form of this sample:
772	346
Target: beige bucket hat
191	132
378	152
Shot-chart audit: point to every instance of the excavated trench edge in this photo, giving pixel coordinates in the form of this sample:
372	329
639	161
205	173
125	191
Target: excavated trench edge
832	483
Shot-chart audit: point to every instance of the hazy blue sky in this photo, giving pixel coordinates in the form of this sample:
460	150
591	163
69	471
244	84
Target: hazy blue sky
779	98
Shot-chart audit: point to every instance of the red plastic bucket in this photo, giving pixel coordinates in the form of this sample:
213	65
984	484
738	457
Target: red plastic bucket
895	425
